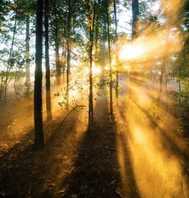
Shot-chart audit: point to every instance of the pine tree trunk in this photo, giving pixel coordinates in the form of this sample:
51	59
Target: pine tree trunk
9	67
47	64
28	54
109	57
57	54
38	120
91	34
135	14
68	50
116	50
133	74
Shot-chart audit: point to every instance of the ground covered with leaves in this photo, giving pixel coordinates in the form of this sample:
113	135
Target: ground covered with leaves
75	162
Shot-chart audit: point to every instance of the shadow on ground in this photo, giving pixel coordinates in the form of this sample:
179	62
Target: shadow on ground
75	163
96	170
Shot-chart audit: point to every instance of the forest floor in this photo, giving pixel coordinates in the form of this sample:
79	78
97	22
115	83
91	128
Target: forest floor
128	155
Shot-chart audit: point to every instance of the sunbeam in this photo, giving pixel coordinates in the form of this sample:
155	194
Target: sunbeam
158	169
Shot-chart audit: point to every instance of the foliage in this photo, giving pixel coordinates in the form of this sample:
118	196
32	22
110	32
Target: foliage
13	58
154	110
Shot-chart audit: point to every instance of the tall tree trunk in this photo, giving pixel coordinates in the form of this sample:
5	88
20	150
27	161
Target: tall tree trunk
57	54
163	66
135	14
28	54
10	60
110	61
133	74
63	62
161	80
68	50
38	119
91	34
117	72
96	36
47	64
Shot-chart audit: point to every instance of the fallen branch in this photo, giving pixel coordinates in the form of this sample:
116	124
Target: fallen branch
73	109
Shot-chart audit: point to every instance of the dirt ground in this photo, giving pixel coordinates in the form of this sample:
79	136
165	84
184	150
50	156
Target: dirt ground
74	163
112	160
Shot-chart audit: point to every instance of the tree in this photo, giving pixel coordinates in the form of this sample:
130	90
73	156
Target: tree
91	17
68	42
109	58
28	10
47	64
115	41
57	33
28	54
38	119
135	14
133	74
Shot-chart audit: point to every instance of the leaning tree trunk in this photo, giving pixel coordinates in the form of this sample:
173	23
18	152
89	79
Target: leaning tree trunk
38	120
47	64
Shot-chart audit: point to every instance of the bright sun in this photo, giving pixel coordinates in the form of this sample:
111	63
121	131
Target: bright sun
130	52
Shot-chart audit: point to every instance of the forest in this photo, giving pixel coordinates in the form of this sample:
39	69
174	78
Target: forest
94	99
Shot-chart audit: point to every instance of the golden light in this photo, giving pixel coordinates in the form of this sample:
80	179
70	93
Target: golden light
96	70
131	52
106	68
157	170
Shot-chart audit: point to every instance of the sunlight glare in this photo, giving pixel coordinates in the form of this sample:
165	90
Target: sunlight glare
96	70
156	42
129	52
155	7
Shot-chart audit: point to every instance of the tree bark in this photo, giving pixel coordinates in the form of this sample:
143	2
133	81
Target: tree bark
135	14
10	59
91	34
47	63
28	54
117	72
68	50
110	61
38	120
57	54
133	74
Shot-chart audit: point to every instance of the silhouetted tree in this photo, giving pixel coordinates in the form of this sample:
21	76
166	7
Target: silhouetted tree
135	14
91	17
109	57
47	64
38	119
68	47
